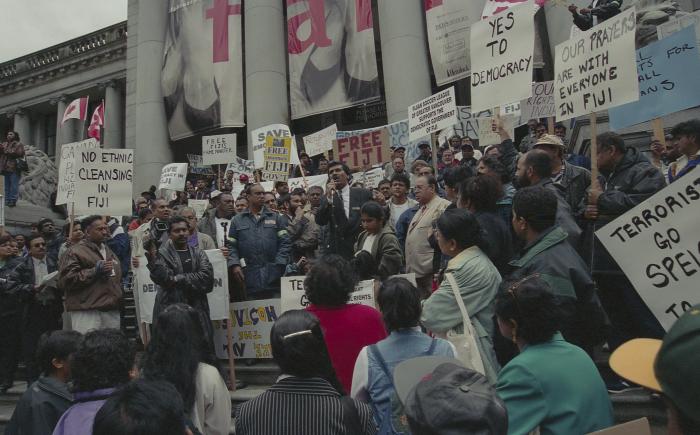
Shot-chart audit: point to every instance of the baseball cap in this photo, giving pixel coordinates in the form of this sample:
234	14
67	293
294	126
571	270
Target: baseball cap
550	139
440	396
669	366
243	178
400	147
215	193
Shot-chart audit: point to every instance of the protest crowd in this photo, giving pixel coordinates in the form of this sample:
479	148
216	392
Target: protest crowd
464	291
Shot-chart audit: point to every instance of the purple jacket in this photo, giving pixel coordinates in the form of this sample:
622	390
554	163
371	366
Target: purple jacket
78	419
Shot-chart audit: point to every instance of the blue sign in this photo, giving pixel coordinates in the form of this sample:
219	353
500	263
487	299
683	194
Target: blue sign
668	73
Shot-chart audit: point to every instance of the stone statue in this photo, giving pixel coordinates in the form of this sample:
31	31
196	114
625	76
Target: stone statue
37	186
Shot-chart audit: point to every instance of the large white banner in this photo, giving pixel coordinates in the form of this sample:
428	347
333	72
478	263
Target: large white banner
597	69
502	53
202	73
219	149
218	298
332	61
448	23
293	296
173	177
65	189
104	182
145	291
657	245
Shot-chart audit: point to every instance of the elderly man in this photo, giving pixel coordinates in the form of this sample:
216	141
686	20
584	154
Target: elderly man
430	208
90	275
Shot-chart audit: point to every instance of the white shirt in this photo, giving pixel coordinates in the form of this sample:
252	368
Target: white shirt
103	251
397	210
369	241
40	269
220	234
345	194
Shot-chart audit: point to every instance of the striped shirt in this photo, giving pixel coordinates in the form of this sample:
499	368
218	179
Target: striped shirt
309	406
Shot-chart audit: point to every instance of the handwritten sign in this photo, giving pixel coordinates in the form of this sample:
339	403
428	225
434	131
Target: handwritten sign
365	149
252	323
145	291
104	181
173	177
665	85
306	182
218	298
197	166
219	149
597	69
321	141
541	103
502	52
277	156
199	206
66	169
657	246
447	23
240	167
294	296
432	114
259	137
370	179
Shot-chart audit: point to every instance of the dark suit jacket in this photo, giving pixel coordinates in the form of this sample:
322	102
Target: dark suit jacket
343	230
604	9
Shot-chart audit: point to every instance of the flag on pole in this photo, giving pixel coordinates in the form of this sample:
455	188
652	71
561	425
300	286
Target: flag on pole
97	121
76	110
493	7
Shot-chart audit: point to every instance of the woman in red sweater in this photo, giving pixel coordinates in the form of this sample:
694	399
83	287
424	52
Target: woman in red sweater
347	328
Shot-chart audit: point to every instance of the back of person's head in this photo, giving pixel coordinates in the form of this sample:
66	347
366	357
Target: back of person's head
142	408
537	205
462	227
531	307
103	360
400	304
54	348
495	165
176	350
299	349
540	162
86	222
364	265
609	140
330	281
482	193
456	175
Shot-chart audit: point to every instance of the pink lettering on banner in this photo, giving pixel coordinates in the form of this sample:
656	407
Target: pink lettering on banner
219	13
429	4
363	12
318	36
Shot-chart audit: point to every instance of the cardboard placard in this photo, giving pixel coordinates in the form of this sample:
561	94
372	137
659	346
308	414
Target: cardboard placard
66	169
199	206
218	298
104	181
277	156
294	296
597	70
634	427
321	141
219	149
306	182
173	177
368	148
432	114
252	323
541	103
197	166
502	52
259	137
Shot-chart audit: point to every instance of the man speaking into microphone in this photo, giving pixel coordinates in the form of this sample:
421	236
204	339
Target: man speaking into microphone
340	210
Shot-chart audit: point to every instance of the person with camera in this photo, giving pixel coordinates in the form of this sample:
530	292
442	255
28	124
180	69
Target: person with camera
90	274
156	229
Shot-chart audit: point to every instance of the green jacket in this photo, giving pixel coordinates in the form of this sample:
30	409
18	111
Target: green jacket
554	386
478	281
386	251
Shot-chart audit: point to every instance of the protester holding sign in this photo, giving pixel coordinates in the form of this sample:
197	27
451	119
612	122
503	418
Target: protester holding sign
686	136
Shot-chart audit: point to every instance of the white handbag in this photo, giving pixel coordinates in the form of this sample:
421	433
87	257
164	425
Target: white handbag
465	342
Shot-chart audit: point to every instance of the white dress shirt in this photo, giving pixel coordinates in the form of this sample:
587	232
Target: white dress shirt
345	194
40	269
220	234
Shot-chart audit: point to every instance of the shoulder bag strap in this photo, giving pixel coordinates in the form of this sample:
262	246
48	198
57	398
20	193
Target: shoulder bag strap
460	302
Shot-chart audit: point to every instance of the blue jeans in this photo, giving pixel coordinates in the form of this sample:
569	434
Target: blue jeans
11	187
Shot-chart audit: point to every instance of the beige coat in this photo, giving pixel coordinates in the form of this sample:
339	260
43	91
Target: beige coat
419	258
212	402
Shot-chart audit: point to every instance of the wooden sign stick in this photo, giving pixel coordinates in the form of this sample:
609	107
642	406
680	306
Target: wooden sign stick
550	125
594	147
229	351
657	126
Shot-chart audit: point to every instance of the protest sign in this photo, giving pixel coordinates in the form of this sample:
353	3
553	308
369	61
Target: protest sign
218	298
145	291
432	114
488	136
197	167
252	323
657	245
199	206
240	167
104	181
370	179
597	70
493	7
541	103
66	169
306	182
665	86
173	177
634	427
680	21
448	23
321	141
502	51
219	149
294	297
277	155
259	137
364	149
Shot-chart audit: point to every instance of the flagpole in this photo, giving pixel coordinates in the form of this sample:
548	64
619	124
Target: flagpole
87	104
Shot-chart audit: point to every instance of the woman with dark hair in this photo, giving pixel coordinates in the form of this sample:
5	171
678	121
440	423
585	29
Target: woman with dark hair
347	328
459	237
552	384
178	354
400	304
478	195
10	152
307	398
379	240
100	365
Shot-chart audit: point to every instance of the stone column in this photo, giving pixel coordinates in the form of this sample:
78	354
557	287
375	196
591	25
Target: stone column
38	131
62	134
22	125
267	101
404	55
114	115
152	149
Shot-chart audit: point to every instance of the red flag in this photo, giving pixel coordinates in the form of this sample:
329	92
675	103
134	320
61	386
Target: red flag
97	121
493	7
77	109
